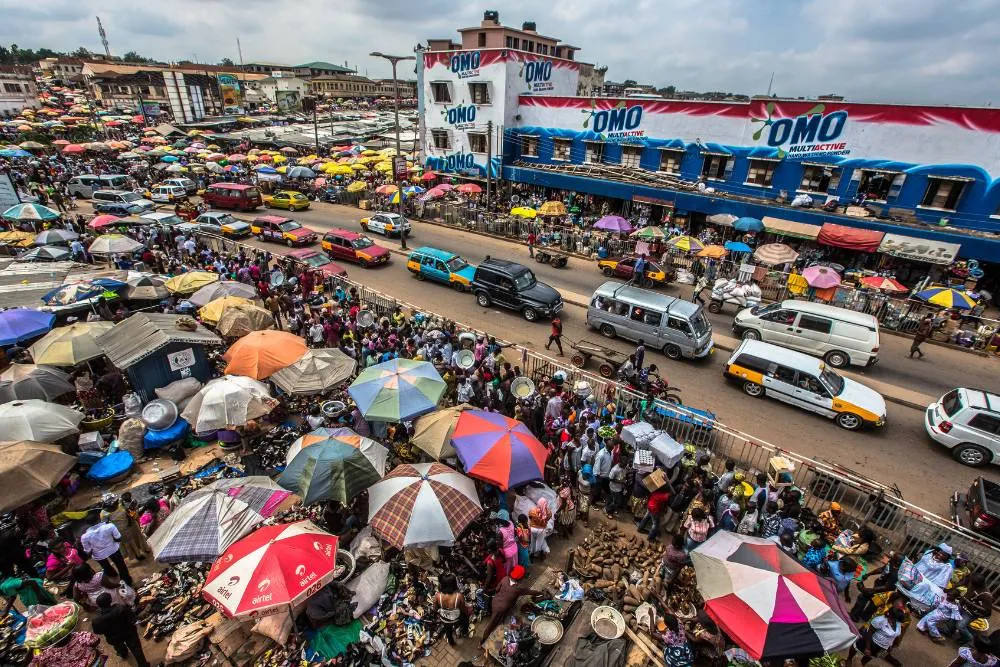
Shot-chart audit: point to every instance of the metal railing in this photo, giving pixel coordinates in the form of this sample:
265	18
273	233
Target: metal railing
900	525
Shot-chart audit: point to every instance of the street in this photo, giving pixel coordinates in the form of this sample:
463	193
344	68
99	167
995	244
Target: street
900	453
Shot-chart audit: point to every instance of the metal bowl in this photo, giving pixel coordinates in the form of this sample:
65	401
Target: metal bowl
548	630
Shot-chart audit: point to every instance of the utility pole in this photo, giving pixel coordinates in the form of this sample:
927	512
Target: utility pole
315	127
489	161
395	60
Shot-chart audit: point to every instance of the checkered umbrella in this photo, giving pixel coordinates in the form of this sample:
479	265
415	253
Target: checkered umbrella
422	504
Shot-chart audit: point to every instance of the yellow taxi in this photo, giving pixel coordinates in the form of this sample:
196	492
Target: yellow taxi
625	269
287	199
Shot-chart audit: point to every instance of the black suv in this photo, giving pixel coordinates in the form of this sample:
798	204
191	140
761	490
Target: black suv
514	286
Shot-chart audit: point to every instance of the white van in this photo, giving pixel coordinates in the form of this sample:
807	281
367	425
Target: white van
838	335
189	186
167	194
800	380
85	185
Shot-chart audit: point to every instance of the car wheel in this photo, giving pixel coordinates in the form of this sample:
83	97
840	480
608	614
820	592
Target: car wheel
418	275
459	287
971	455
289	243
364	227
608	271
837	359
530	314
753	389
672	351
483	299
608	330
849	421
364	264
751	334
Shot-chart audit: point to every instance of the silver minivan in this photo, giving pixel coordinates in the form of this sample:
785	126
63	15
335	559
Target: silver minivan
85	185
679	328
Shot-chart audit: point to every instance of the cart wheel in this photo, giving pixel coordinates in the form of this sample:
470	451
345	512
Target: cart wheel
578	360
606	370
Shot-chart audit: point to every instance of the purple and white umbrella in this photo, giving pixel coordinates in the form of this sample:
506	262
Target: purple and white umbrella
614	223
497	449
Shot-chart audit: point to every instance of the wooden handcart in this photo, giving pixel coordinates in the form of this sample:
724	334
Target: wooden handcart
611	360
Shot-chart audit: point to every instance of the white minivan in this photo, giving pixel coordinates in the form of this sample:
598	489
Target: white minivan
840	336
85	185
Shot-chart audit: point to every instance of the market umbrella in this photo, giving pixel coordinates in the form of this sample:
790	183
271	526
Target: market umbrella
75	292
19	324
737	246
552	208
614	223
111	244
947	297
768	603
217	290
428	176
469	188
24	381
356	186
422	504
884	283
747	224
397	390
55	236
29	470
101	221
17	238
333	470
231	400
686	244
188	282
45	253
317	371
432	432
32	419
31	145
650	233
821	277
30	212
272	569
146	288
259	354
775	253
521	211
240	320
498	449
211	519
714	251
372	450
212	311
70	345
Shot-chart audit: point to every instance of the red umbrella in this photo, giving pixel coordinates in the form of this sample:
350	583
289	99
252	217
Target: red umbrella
428	176
883	283
497	449
271	569
469	188
102	221
60	142
138	119
73	148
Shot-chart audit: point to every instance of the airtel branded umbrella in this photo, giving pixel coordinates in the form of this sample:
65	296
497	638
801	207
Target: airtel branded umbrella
884	284
23	381
397	390
333	469
775	253
317	371
272	569
231	400
29	470
32	419
260	354
947	297
70	345
821	277
55	237
19	324
767	602
422	504
614	223
372	450
211	519
497	449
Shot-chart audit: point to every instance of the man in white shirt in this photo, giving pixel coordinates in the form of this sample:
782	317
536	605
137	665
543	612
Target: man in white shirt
616	483
553	408
101	541
602	470
316	334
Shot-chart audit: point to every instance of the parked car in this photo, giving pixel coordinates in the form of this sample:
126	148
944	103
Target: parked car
288	200
624	269
978	508
163	219
387	224
441	266
238	196
166	194
966	421
222	223
189	186
317	259
137	203
514	286
353	247
85	185
120	209
282	230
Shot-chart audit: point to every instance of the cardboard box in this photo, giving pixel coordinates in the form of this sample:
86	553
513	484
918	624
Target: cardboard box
654	480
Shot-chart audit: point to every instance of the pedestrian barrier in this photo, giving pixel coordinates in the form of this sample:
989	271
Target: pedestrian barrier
900	525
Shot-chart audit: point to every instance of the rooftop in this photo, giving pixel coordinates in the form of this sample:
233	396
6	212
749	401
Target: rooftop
330	67
142	334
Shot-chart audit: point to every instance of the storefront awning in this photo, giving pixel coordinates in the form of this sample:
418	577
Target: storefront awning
799	230
921	250
851	238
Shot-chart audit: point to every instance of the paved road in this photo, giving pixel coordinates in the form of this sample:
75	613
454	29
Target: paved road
899	453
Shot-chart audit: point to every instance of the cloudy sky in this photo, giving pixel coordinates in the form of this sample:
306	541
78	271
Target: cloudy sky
931	51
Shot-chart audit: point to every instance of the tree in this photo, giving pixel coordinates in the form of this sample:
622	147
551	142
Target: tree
81	52
629	83
227	62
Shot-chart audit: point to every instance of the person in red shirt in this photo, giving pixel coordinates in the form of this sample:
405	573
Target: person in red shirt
531	243
556	335
656	506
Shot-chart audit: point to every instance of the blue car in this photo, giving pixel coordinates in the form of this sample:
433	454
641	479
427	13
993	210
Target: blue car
441	266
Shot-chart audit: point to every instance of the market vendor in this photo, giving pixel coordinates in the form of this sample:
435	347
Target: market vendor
332	604
507	593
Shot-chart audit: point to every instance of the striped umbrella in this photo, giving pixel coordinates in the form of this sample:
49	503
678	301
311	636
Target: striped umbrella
397	390
883	283
650	233
317	371
29	212
947	297
372	450
775	253
686	244
497	449
54	236
422	504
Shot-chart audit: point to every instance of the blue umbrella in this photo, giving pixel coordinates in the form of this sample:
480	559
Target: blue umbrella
397	390
738	246
746	224
266	170
10	152
413	190
74	292
301	172
20	324
169	158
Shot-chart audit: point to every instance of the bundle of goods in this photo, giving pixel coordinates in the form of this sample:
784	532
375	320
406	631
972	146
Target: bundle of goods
80	650
171	599
621	566
51	624
403	616
12	631
684	599
470	549
273	447
313	513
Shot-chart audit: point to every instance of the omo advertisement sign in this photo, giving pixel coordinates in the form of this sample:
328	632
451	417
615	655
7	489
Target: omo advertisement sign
810	134
538	75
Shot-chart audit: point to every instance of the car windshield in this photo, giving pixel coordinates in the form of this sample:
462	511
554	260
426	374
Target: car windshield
833	382
362	242
700	323
226	219
951	403
456	264
289	226
524	280
765	310
318	259
130	196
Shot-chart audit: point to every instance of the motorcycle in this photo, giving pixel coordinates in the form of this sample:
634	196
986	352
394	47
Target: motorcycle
656	388
742	295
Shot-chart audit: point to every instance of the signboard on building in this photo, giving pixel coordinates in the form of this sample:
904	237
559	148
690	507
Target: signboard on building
399	172
181	359
288	100
8	192
229	89
921	250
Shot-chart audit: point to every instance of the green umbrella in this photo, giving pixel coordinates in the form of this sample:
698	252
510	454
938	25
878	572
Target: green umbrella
397	390
333	470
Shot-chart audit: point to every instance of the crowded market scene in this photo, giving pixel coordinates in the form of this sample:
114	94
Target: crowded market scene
218	446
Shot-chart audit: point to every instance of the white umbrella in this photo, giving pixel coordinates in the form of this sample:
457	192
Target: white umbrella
37	420
231	400
422	504
222	288
317	371
110	244
775	253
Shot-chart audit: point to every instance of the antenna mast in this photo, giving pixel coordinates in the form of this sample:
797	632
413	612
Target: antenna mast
104	38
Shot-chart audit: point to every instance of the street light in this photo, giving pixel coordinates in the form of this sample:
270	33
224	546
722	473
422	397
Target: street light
395	89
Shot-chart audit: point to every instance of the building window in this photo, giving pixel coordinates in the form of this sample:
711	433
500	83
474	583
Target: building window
12	87
631	155
819	178
517	43
529	146
477	142
482	39
761	172
878	185
715	166
479	93
545	49
441	92
529	45
594	152
942	193
670	160
510	42
561	149
441	139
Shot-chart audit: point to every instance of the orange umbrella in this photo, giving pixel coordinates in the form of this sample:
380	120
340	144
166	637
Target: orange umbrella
716	251
261	353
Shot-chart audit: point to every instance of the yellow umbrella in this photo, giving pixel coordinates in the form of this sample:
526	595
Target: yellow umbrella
18	239
356	186
524	212
278	159
383	166
342	169
212	311
359	167
70	345
552	208
281	170
716	251
369	152
186	283
686	243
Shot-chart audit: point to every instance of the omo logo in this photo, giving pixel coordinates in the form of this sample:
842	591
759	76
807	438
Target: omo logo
539	70
808	128
464	62
460	115
618	119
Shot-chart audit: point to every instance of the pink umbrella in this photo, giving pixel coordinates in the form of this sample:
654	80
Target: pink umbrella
444	187
429	176
614	223
821	277
469	188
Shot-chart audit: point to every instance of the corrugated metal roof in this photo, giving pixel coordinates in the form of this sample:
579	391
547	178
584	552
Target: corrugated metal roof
143	334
